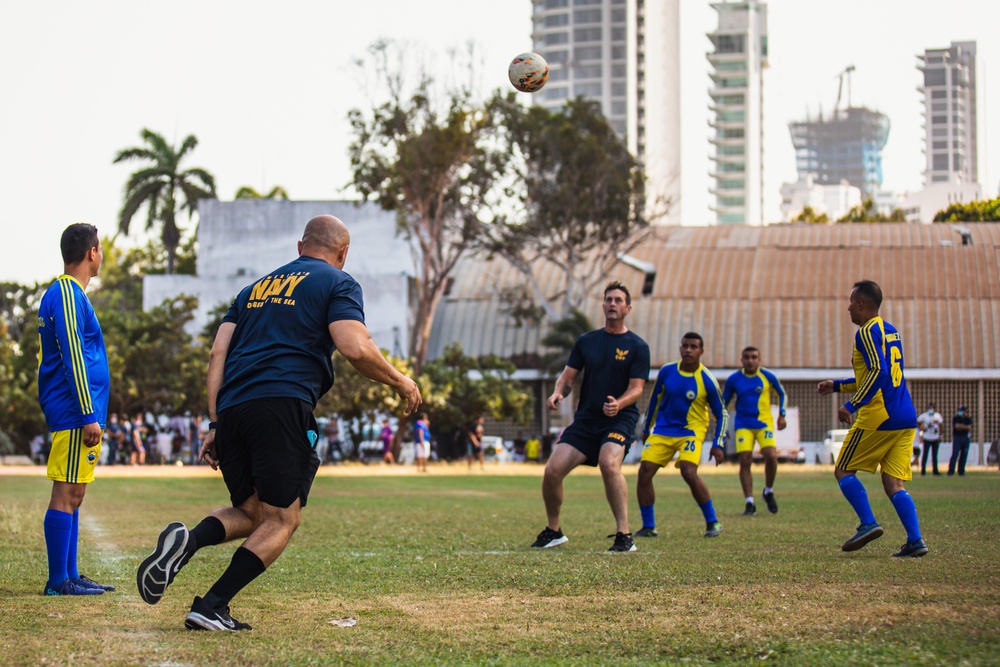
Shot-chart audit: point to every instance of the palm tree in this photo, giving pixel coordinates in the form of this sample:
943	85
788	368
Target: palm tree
156	186
248	192
561	338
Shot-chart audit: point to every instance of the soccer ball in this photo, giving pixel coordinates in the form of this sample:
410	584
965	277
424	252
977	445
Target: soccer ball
528	72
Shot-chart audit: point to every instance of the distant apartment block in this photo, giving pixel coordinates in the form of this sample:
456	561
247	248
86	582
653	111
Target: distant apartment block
738	61
949	92
624	54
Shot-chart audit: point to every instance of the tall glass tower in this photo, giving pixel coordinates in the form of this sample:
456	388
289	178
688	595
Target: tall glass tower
738	63
625	54
949	92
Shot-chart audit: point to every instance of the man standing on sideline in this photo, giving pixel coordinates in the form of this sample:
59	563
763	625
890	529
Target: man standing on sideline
752	387
961	425
929	425
615	365
677	421
884	422
269	365
73	388
422	441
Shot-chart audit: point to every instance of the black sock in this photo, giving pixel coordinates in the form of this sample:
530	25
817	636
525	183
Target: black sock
244	568
208	533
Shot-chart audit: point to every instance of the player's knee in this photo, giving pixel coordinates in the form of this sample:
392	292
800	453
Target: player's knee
689	474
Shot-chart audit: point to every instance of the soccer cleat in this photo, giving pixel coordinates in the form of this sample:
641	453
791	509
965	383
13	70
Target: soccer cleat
866	533
751	510
713	529
160	567
623	542
203	617
71	587
87	582
646	531
772	506
914	549
549	538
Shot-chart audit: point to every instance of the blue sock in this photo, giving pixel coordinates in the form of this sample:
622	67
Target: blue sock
58	526
648	516
74	535
907	512
708	510
856	494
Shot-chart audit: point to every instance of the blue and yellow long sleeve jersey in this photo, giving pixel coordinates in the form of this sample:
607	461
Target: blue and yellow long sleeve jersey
881	400
753	398
680	403
73	378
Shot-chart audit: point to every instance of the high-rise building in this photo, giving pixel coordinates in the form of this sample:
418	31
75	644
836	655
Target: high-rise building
625	54
949	92
847	146
738	63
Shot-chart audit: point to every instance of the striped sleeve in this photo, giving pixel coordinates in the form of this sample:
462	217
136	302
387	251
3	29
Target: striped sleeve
714	396
654	403
68	318
776	384
869	342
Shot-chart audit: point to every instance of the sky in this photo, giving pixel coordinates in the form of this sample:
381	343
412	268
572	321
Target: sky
266	88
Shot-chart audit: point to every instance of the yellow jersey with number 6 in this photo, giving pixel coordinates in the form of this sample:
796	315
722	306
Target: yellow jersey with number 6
881	400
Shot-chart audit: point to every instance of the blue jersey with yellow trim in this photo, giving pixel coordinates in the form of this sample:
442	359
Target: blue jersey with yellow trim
73	377
281	346
753	398
881	400
680	403
609	362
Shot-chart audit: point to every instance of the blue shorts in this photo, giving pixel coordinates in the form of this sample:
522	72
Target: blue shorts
589	435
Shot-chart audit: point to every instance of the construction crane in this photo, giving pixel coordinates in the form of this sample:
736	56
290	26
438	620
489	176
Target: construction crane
840	87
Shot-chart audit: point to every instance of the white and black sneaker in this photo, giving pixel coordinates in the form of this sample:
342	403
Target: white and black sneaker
549	538
203	617
173	550
623	542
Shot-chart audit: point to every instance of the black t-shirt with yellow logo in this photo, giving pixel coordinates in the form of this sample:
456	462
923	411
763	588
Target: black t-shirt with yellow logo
609	362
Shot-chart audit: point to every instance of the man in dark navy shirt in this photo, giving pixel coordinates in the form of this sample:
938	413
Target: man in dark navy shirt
269	365
615	366
961	425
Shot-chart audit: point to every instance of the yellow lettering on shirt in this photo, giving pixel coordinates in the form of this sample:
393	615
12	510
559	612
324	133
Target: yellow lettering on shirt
259	290
293	282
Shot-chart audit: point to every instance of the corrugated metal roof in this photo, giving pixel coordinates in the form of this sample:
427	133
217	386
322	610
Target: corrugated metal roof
783	288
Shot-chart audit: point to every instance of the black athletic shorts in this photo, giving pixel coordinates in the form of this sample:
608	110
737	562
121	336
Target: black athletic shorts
268	445
588	435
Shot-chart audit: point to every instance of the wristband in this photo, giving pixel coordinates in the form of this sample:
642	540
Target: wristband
212	426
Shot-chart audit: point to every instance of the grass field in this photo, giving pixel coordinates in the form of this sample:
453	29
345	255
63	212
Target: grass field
437	570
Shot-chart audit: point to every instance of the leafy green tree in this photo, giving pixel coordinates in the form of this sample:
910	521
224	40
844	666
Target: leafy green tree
808	214
21	417
984	210
571	198
248	192
163	188
422	155
866	212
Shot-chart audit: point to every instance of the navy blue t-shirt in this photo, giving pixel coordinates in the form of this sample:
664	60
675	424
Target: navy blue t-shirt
609	362
281	346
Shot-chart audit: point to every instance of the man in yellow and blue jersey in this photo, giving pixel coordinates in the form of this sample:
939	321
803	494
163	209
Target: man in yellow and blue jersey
884	422
752	386
73	388
676	423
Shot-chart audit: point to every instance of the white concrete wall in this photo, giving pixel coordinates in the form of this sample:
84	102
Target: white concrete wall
242	240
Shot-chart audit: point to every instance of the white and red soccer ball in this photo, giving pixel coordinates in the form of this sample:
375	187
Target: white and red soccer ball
528	72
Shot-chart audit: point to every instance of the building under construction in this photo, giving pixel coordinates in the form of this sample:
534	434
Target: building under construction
845	147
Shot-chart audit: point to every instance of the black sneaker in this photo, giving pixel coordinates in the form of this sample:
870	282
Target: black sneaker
751	509
203	617
772	506
713	529
914	549
866	533
645	531
84	580
70	587
623	542
549	538
173	550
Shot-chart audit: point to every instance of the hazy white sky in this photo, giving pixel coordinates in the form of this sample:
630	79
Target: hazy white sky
266	86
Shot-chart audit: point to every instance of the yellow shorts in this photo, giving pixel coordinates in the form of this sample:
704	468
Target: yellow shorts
660	449
746	437
867	450
70	460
